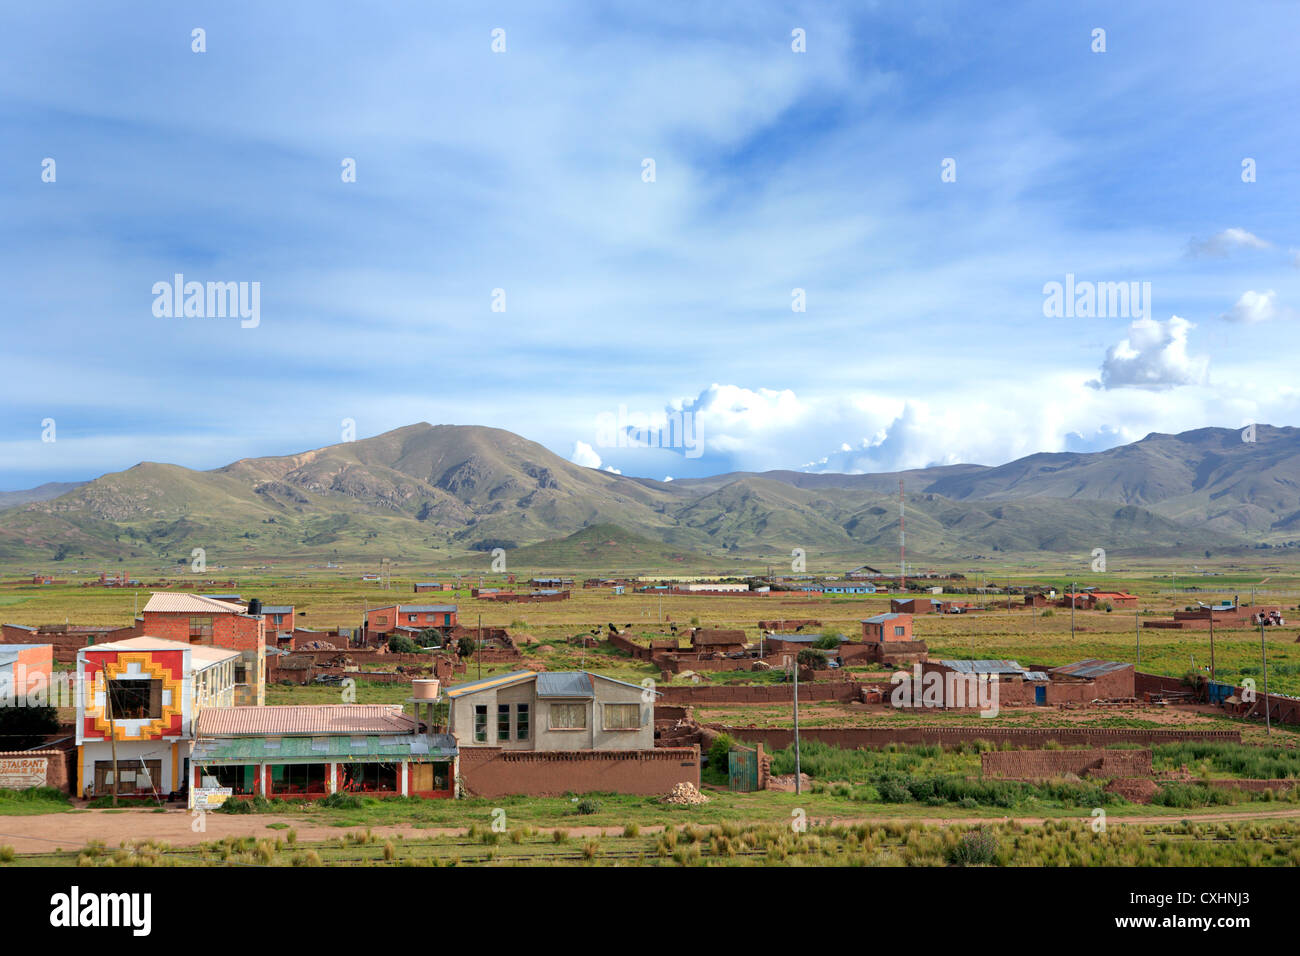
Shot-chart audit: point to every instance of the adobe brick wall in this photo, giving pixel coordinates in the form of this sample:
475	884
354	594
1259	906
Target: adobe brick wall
693	695
777	738
66	643
493	772
1046	764
60	765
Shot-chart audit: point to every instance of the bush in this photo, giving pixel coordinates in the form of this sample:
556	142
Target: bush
343	801
465	646
400	644
811	658
975	848
588	806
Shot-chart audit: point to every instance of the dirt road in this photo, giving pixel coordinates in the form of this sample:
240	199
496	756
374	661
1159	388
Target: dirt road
72	831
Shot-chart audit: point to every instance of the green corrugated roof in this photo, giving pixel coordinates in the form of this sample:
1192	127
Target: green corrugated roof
417	747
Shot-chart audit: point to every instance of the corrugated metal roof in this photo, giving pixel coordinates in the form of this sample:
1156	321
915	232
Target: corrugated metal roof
501	680
1037	675
1090	668
277	608
564	684
173	602
425	608
881	618
984	667
304	720
321	749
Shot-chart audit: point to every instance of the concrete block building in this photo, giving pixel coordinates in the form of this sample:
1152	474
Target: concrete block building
140	697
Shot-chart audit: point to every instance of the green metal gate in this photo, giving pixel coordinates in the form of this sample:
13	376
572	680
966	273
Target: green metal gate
742	770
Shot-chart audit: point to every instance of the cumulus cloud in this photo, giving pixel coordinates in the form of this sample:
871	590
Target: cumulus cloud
1255	307
1154	355
1222	243
584	455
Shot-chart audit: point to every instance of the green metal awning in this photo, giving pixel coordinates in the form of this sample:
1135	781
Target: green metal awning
418	748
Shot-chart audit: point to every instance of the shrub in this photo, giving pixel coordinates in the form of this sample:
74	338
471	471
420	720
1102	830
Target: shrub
587	806
977	847
400	644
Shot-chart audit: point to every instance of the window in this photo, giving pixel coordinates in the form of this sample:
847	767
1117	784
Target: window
241	673
238	778
480	723
503	721
568	716
622	716
298	778
200	630
899	630
521	722
412	618
135	699
131	777
371	778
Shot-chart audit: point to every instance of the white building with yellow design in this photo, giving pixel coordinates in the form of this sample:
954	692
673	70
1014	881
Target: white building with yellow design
145	694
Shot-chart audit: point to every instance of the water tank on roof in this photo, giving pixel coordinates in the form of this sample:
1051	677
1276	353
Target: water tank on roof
255	606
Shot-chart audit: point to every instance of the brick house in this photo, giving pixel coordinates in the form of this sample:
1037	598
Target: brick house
887	627
24	669
382	621
193	619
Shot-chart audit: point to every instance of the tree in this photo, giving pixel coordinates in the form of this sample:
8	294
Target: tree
401	644
22	728
430	638
812	658
465	646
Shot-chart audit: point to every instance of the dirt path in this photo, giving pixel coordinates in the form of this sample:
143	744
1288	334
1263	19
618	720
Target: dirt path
72	831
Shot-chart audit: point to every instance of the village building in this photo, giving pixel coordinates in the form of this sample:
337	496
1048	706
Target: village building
887	627
25	669
139	698
380	622
312	751
195	619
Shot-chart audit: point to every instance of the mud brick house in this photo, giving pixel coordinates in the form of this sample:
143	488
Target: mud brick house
563	732
25	670
423	586
382	621
1090	599
717	640
887	627
279	618
914	606
312	751
1078	683
145	693
194	619
1104	680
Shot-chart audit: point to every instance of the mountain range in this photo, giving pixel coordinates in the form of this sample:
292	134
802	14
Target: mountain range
431	494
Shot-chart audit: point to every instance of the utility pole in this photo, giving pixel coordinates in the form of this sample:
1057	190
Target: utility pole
1211	645
478	650
798	777
112	728
1263	659
1137	633
1073	600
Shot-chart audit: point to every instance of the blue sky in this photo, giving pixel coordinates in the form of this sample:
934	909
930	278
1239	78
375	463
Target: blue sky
924	338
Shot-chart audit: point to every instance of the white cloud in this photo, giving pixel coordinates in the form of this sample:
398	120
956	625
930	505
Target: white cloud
584	455
1255	307
1154	355
1225	242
